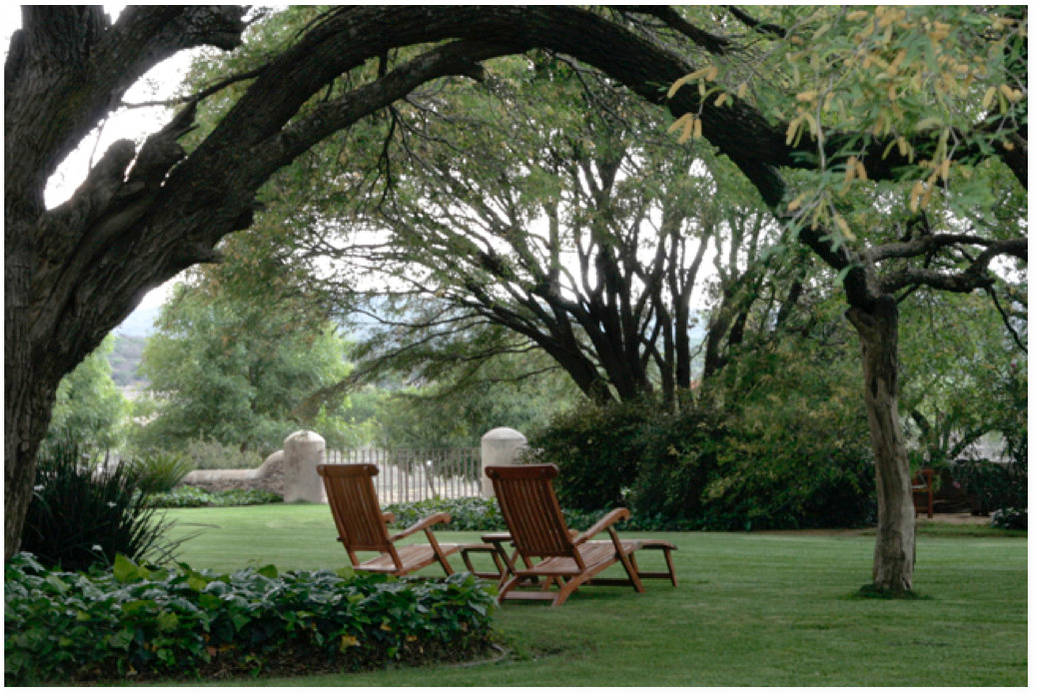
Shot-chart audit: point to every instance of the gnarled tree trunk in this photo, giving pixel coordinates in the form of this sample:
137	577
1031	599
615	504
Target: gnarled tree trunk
895	541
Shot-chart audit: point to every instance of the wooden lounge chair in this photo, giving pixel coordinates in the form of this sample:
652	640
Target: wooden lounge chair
537	529
363	527
922	492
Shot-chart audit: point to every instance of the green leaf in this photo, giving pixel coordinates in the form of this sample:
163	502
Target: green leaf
125	570
842	274
121	639
167	621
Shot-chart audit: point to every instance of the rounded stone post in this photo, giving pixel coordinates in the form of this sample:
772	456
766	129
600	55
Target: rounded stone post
304	451
499	446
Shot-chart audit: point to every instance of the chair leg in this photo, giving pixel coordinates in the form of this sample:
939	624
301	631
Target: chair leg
668	563
567	589
634	577
510	584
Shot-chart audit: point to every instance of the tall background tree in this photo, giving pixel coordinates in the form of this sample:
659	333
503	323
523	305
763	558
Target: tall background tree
240	372
89	410
73	272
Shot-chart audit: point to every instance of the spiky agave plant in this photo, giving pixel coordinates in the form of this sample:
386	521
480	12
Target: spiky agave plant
85	511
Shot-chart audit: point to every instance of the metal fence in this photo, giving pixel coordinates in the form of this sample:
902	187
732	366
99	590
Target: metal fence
409	475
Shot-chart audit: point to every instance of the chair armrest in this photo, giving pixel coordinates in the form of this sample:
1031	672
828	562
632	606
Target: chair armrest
604	523
430	520
388	517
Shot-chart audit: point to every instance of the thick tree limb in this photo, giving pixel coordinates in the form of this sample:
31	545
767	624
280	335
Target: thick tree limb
710	42
458	58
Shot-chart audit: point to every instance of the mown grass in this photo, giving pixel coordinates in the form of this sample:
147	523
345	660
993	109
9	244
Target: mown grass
752	609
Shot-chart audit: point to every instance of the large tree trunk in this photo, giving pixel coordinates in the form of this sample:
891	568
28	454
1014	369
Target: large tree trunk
895	542
27	413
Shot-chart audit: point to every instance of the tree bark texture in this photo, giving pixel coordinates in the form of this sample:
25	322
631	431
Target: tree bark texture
895	541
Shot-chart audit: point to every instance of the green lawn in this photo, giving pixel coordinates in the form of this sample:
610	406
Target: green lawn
751	609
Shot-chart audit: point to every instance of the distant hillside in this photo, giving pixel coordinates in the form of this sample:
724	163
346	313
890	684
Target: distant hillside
126	359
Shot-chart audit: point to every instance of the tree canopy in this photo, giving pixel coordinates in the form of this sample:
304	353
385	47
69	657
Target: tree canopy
89	409
238	372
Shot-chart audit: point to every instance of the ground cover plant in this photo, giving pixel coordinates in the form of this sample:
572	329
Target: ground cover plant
767	609
142	622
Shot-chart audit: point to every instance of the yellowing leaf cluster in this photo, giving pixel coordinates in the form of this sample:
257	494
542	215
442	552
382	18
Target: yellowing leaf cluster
707	73
689	126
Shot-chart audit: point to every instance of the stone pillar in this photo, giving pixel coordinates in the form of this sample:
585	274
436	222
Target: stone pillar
304	451
499	446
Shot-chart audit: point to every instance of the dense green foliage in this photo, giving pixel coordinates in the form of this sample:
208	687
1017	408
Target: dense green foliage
990	485
239	372
88	409
84	513
211	454
598	450
475	514
143	622
965	380
471	513
195	497
690	470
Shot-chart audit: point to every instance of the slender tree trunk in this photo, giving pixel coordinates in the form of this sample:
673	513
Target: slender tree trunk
895	542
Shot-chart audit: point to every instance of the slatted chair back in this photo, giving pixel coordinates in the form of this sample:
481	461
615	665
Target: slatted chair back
530	508
355	507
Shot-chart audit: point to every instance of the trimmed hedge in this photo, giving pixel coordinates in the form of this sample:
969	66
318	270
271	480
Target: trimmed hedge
195	497
63	627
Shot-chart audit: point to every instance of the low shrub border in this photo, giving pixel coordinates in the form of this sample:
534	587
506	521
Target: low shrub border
141	622
195	497
473	513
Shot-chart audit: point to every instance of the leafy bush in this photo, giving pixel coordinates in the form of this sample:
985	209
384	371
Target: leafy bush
211	454
195	497
597	449
83	513
775	465
1009	519
471	513
679	457
483	515
144	622
992	485
160	471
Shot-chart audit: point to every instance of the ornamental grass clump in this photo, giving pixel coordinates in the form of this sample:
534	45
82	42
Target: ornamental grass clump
83	513
143	622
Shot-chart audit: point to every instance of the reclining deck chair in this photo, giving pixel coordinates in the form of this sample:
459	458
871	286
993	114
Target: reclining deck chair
362	526
537	528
